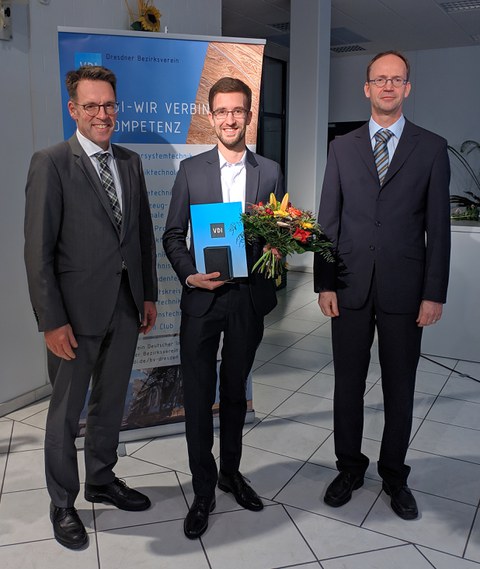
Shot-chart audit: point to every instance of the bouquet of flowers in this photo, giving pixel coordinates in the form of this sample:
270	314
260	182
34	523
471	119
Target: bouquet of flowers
286	229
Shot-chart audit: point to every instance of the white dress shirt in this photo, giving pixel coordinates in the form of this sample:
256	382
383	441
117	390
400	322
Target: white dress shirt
234	179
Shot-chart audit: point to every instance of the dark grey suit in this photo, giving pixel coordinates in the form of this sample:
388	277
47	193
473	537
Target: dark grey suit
393	245
74	255
237	310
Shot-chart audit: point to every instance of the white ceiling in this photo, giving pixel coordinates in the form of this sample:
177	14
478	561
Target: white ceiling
363	26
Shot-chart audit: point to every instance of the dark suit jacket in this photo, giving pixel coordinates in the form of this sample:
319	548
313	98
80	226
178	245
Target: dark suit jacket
73	250
198	181
401	229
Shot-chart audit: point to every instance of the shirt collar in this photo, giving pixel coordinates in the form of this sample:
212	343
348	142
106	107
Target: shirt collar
224	162
90	147
396	128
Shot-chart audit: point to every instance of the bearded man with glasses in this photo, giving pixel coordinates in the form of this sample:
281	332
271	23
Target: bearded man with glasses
227	173
90	259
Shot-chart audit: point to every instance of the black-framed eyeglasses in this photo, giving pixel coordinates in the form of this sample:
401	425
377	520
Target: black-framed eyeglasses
92	109
237	113
382	81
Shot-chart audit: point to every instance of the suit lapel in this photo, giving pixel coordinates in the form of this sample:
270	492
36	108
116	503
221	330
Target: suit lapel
85	164
214	182
252	179
406	144
405	147
364	147
124	173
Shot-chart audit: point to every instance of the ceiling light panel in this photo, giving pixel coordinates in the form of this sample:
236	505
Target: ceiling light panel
460	6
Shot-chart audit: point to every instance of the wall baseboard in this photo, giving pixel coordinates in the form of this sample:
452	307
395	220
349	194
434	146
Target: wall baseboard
25	399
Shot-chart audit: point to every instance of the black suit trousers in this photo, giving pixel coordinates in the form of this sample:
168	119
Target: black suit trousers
233	314
107	361
399	341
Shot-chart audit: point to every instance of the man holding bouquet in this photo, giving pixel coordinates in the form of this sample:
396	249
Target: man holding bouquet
227	173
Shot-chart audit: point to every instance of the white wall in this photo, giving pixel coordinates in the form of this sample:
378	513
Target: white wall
30	118
22	359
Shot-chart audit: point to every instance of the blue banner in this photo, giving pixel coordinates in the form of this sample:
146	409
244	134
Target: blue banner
157	83
162	91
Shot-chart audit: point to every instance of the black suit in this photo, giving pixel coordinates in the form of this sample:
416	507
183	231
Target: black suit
393	244
74	255
237	310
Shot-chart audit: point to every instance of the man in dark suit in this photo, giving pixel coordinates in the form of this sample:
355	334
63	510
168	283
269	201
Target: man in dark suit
90	259
385	206
228	172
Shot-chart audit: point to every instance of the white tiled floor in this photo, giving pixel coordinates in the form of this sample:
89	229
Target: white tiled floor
288	456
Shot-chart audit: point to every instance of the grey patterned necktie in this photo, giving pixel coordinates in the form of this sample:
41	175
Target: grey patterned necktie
109	186
380	152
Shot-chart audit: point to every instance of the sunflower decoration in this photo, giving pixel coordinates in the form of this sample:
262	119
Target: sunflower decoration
147	17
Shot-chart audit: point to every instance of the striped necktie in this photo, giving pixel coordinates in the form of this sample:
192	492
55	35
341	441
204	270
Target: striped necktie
380	152
109	186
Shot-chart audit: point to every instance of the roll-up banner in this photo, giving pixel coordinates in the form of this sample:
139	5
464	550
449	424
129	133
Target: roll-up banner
163	82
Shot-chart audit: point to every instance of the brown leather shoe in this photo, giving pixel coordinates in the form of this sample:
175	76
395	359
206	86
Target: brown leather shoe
68	528
340	490
402	501
118	494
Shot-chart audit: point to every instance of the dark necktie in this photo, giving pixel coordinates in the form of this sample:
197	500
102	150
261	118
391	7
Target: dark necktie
109	186
380	152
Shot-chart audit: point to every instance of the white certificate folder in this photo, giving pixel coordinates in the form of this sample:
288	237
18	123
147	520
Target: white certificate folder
217	233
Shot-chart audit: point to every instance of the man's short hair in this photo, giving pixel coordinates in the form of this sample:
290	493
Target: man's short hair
92	73
383	54
230	85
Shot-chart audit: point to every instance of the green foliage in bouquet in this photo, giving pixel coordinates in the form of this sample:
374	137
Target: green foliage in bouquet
286	230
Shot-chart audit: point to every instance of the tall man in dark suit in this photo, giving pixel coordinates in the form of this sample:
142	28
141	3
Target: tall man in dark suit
90	258
385	206
228	172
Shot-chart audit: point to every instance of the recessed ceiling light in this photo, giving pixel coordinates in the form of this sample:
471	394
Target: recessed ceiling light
347	48
283	27
460	6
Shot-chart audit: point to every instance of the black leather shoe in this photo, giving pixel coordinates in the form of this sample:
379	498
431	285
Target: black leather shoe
118	494
340	490
244	494
68	528
196	522
402	501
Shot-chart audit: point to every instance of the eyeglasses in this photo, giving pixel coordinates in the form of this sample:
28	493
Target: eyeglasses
222	114
382	81
92	109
